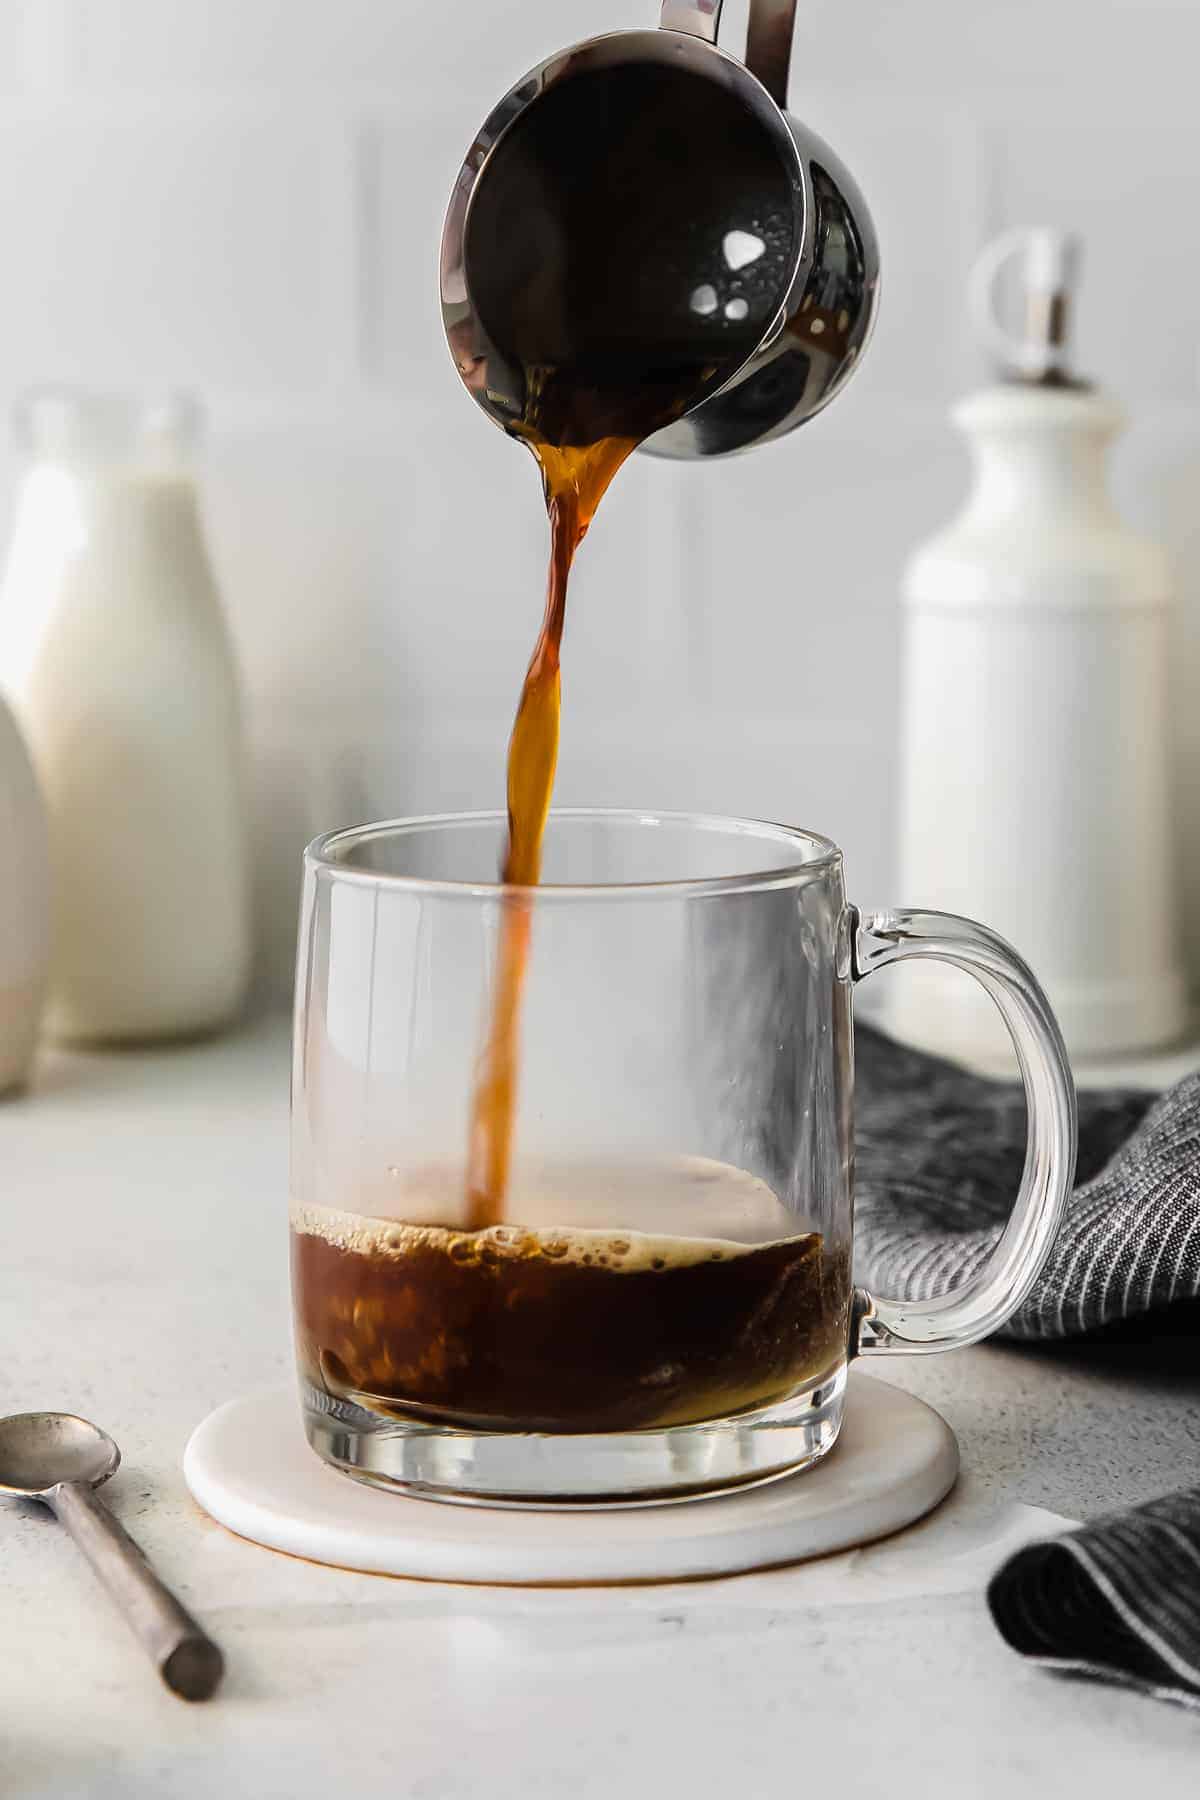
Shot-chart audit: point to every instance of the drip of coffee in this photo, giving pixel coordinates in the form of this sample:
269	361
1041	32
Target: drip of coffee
628	245
577	1325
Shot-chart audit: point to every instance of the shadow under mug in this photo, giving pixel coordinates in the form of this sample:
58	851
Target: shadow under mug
670	1310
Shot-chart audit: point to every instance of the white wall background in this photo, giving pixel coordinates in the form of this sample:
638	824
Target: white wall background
245	196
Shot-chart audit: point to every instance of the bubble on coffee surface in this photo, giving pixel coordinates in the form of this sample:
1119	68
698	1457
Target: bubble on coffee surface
625	1217
630	1253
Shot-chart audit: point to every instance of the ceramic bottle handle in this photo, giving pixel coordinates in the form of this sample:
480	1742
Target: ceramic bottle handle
1049	277
983	1302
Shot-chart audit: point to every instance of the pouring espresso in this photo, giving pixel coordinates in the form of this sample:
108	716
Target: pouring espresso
642	249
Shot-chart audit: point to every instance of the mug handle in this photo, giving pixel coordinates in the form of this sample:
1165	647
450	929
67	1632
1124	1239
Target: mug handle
986	1299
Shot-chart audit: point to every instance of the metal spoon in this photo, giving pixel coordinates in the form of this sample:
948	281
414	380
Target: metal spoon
59	1459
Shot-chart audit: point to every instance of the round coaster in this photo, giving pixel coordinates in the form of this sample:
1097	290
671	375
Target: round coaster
250	1466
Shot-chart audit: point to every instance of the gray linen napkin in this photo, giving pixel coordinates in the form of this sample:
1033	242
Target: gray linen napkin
939	1155
1119	1599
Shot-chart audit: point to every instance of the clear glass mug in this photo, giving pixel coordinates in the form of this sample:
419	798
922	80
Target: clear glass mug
669	1308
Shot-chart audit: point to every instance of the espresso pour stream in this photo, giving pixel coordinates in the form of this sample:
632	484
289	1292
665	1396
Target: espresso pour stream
574	482
630	239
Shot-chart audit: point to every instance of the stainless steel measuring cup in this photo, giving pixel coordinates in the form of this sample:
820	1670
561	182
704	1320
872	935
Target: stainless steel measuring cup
823	304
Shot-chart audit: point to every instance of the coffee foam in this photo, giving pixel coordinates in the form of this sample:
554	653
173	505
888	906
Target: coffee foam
741	1211
623	1252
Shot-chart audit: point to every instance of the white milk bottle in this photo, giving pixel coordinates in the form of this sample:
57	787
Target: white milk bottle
115	656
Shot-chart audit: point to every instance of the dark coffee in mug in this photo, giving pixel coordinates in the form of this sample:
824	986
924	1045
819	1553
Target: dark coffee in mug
575	1326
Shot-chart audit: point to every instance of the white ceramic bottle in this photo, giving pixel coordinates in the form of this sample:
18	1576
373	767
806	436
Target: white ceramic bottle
115	656
1034	770
24	906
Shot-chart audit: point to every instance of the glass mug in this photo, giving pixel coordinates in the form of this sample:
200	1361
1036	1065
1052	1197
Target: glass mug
669	1309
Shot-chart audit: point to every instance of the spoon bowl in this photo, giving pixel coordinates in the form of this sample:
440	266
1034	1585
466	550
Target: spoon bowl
41	1450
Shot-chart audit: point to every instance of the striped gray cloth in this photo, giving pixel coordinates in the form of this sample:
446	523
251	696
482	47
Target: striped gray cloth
939	1156
939	1153
1119	1599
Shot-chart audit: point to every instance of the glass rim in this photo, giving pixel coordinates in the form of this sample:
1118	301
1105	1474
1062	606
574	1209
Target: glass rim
75	422
321	856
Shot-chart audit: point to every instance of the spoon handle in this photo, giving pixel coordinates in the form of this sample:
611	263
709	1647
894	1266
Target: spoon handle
185	1656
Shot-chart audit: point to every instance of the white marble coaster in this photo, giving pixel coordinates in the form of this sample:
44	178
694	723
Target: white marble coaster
250	1467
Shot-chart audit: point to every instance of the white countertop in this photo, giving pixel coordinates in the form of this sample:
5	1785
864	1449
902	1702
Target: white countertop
143	1281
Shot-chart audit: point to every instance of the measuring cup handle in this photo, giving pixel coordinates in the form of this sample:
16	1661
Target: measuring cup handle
185	1656
699	18
768	36
769	45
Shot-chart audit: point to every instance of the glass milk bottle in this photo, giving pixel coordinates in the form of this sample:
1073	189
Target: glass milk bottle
116	659
24	906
